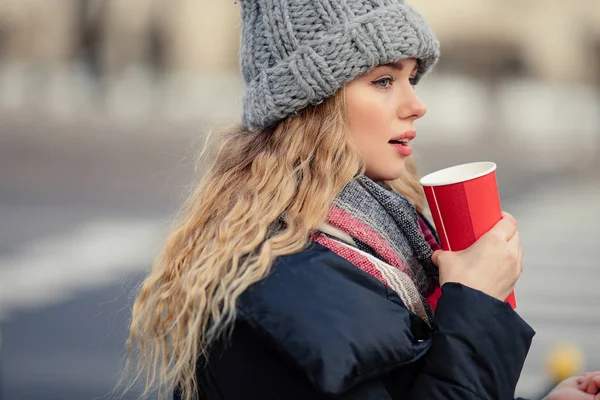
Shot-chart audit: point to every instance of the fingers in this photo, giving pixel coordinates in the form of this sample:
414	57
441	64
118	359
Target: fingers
594	385
435	257
587	375
515	249
520	262
521	259
506	227
589	383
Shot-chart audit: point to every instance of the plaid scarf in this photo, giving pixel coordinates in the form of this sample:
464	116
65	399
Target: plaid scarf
381	232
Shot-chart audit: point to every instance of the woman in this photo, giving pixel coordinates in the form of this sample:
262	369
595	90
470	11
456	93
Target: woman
302	266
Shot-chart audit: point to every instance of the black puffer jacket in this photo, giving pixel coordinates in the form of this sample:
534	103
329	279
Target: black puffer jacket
318	327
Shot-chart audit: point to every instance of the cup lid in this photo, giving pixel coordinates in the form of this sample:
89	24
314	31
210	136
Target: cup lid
458	173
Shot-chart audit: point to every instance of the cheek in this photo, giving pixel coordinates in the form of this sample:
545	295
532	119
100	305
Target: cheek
368	120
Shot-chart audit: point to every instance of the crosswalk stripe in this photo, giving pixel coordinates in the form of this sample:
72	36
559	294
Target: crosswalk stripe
97	253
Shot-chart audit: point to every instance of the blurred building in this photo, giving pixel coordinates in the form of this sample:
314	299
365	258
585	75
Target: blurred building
549	39
38	30
111	35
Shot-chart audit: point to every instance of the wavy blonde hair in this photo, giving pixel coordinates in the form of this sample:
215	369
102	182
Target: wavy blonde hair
220	244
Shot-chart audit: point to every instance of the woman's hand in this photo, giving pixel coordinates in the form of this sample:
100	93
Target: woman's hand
590	383
583	388
492	264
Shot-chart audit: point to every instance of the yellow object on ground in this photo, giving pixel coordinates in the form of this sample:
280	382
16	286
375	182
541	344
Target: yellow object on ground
564	360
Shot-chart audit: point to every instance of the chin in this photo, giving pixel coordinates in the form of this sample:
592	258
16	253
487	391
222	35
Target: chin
387	174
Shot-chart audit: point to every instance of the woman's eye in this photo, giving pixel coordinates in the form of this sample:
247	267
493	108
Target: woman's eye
382	83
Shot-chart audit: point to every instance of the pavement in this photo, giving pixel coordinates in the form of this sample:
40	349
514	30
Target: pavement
558	291
83	214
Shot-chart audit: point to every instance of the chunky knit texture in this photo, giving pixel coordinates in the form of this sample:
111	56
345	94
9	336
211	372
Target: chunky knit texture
296	53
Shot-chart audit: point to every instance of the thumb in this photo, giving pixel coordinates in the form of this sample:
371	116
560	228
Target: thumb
435	257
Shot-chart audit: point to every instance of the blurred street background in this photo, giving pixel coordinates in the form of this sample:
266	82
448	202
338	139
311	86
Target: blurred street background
104	105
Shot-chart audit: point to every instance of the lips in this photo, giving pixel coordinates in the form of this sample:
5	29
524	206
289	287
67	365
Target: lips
401	143
404	138
402	149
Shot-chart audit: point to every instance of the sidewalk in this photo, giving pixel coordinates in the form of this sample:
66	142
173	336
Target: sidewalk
558	292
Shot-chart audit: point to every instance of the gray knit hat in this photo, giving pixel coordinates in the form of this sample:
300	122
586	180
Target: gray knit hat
295	53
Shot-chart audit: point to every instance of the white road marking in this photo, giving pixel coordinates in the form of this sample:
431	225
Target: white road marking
95	254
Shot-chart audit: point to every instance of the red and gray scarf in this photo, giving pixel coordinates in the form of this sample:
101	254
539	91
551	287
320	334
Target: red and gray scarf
382	233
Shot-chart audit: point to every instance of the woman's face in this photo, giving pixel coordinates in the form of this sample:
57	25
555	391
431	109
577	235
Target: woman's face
382	110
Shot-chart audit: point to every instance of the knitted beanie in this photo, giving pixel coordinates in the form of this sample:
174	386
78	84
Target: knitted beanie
295	53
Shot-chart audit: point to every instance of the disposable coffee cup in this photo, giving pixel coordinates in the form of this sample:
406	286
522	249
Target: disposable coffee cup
464	204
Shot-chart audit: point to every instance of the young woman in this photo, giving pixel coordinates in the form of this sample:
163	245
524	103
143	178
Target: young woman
302	266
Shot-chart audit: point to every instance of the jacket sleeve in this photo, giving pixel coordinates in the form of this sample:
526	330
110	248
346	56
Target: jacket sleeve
478	347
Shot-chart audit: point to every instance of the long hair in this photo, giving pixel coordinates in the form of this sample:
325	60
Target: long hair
222	242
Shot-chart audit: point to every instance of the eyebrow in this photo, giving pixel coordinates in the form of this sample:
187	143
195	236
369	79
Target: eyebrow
399	66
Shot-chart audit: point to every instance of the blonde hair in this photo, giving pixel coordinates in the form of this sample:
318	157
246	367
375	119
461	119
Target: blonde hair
220	244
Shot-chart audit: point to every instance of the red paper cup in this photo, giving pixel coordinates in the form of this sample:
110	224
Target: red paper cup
464	203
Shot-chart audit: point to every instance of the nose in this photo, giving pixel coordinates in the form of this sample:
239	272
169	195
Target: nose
412	107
